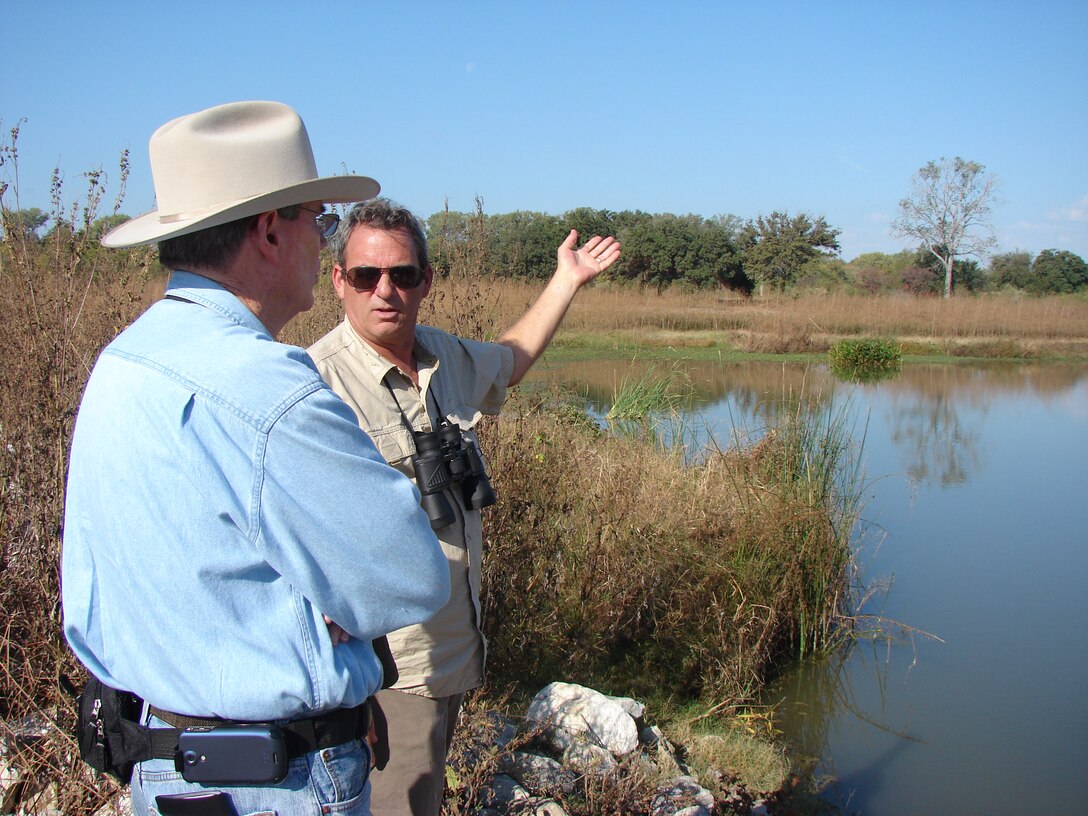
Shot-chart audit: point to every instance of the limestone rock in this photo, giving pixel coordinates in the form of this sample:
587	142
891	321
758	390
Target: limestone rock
587	758
577	710
539	774
679	796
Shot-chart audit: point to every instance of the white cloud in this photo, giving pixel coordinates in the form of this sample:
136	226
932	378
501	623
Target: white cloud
1076	212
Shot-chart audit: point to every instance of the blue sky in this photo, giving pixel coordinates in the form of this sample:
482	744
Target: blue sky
682	107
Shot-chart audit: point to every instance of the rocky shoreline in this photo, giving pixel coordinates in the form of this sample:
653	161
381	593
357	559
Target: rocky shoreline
572	746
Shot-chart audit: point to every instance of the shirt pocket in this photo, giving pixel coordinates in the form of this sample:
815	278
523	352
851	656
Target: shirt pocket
396	446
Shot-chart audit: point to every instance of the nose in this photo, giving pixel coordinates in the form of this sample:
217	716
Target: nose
384	287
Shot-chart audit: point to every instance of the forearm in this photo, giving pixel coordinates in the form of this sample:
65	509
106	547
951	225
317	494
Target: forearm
534	330
528	338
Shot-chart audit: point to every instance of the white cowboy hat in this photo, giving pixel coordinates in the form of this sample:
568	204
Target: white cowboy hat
227	162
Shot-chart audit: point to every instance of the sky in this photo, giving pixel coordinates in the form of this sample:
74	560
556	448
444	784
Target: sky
711	108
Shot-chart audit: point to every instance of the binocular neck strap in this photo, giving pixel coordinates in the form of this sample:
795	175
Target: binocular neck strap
404	416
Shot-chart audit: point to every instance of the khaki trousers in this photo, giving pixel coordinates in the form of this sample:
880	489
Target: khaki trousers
420	730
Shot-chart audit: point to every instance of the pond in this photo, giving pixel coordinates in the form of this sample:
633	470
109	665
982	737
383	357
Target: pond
975	522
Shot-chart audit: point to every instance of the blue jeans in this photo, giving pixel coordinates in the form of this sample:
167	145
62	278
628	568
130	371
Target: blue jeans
330	781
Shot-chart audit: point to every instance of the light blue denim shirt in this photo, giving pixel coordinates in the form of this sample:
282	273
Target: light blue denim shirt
220	500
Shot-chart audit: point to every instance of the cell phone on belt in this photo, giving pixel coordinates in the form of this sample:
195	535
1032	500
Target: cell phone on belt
200	803
232	754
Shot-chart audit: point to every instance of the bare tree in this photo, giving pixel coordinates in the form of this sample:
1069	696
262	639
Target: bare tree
948	211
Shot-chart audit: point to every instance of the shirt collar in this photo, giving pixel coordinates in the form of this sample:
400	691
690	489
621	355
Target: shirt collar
379	366
199	289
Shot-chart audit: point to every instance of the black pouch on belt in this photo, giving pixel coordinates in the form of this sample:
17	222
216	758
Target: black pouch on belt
111	739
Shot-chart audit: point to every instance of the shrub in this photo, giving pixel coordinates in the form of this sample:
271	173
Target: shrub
865	359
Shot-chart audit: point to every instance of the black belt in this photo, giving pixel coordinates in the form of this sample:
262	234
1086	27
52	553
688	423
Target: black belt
301	737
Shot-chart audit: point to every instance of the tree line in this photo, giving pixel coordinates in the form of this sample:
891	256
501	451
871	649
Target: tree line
659	250
777	252
947	213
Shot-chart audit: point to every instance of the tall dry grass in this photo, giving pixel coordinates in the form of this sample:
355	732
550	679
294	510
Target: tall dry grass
615	563
776	324
640	571
61	299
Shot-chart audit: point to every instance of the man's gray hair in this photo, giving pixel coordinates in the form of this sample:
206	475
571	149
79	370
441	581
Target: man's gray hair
380	214
213	247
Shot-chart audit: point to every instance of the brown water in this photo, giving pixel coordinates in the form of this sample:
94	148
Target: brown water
976	514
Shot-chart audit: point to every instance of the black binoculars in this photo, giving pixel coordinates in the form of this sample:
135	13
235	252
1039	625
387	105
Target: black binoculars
445	458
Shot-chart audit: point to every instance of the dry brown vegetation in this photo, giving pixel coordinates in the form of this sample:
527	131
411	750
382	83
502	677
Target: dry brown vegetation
989	326
610	560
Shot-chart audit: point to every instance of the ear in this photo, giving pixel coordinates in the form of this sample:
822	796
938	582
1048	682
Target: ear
267	233
338	282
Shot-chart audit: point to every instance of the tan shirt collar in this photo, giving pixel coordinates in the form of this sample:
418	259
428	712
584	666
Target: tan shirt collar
378	366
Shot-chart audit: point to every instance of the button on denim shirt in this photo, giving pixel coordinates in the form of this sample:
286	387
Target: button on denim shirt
220	500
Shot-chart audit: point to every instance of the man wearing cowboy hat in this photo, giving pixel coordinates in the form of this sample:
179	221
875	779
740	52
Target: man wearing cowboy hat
223	506
403	380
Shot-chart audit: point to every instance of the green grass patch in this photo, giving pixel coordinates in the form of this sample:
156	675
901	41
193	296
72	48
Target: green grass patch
865	360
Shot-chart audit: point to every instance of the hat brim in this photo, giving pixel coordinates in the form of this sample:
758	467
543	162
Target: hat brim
154	226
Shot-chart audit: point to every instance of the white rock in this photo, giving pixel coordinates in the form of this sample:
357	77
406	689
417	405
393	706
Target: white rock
586	758
633	707
679	796
580	710
505	791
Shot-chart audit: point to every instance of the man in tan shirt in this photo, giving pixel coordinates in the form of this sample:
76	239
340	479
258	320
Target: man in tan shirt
401	378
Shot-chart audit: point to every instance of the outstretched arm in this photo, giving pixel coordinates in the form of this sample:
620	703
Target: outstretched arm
534	330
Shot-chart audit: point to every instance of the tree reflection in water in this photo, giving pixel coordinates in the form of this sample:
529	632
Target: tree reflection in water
925	401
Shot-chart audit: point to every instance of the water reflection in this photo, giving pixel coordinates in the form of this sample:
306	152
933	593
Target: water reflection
924	407
977	476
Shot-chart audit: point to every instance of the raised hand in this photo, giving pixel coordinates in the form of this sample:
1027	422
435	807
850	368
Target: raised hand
589	260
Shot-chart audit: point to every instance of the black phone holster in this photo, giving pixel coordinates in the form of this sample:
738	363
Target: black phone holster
111	739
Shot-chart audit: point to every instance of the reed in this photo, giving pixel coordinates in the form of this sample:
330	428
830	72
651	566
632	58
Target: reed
643	394
61	299
621	565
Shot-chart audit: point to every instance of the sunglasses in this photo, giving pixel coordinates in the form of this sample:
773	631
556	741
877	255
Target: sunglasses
326	222
367	277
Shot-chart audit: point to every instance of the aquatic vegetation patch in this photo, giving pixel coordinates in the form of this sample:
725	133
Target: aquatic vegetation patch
866	359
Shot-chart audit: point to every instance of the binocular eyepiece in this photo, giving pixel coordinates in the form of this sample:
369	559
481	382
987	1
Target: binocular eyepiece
446	458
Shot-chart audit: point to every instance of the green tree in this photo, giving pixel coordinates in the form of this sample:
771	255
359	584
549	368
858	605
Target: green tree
100	226
1010	269
589	222
1059	272
24	224
824	272
875	272
948	211
523	243
775	248
926	275
458	243
662	250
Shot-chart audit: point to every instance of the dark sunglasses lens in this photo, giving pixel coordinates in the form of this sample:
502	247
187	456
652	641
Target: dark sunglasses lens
406	277
364	277
403	277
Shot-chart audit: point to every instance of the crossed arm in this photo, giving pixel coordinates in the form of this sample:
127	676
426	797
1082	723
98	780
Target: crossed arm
534	330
